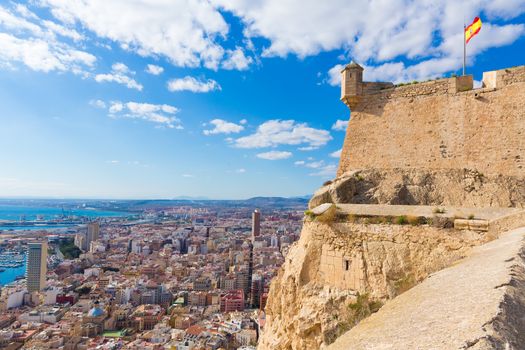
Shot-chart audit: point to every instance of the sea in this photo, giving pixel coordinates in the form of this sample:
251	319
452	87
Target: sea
15	212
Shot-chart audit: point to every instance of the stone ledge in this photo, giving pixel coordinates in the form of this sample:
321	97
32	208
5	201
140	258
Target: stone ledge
492	220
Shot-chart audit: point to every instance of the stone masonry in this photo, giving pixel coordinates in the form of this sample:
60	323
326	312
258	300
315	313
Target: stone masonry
440	124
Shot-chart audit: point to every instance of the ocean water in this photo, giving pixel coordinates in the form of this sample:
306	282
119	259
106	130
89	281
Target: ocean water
10	274
7	229
14	212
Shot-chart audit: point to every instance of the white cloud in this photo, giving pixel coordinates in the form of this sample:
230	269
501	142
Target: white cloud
223	127
284	132
161	114
308	148
33	42
243	121
98	104
43	56
115	107
154	69
311	164
24	11
314	165
63	31
322	169
334	75
10	21
365	29
327	171
194	33
184	31
236	60
240	171
275	155
449	55
120	74
340	125
191	84
336	154
188	175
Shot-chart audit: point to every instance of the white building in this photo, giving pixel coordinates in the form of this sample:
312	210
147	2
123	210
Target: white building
15	297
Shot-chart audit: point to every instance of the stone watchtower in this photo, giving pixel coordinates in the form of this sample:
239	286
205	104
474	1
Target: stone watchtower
352	84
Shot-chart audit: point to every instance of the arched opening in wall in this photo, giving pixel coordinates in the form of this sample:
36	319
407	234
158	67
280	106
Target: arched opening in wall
347	265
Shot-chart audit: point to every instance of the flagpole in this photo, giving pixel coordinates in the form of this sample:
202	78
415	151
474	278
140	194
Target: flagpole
464	48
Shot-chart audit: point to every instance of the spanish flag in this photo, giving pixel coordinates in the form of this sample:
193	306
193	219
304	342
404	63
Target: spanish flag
472	29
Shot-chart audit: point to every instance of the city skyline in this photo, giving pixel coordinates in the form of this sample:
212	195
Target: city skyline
218	103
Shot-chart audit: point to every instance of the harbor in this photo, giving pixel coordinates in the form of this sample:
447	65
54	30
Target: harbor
12	265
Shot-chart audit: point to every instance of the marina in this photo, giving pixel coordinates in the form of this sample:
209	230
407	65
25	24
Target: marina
12	265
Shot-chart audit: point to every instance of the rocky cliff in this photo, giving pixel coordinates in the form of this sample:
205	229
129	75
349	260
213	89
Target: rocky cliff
417	186
477	304
339	273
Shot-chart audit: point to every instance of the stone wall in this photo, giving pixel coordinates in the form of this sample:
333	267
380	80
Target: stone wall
506	223
435	125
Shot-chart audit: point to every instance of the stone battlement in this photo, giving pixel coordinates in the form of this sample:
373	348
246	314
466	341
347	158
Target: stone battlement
439	124
355	91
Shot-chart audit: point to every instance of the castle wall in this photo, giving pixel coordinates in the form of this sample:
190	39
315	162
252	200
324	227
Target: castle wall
437	125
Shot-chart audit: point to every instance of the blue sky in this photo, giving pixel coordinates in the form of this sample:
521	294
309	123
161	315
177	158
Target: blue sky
214	98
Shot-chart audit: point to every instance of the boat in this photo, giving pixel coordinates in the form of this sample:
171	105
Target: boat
21	277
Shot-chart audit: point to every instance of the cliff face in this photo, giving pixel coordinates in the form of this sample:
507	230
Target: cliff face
338	273
417	186
476	304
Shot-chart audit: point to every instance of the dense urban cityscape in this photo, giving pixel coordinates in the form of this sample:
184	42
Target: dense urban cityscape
181	277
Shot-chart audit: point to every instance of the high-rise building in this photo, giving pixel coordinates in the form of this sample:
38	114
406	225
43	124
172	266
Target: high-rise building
256	290
274	241
80	240
36	266
256	223
93	229
83	240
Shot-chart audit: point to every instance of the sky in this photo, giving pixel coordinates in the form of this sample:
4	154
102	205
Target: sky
223	99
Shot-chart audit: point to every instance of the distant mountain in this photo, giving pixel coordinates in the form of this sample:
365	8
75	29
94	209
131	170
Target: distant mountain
189	198
255	202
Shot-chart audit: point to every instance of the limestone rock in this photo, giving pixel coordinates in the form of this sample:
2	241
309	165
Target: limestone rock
412	186
478	303
324	272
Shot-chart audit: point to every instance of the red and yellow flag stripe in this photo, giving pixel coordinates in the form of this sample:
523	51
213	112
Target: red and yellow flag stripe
472	29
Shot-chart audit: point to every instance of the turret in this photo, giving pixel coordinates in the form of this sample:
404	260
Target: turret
351	84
